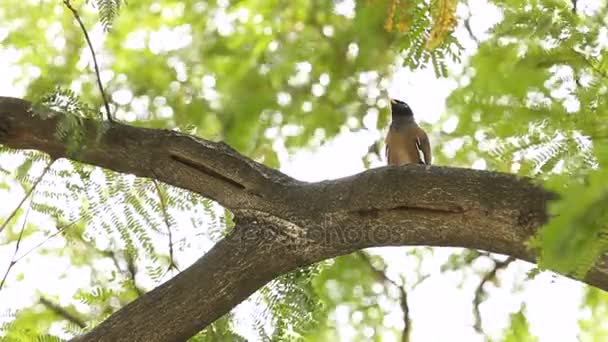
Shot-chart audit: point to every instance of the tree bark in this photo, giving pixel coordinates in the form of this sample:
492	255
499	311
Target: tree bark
283	223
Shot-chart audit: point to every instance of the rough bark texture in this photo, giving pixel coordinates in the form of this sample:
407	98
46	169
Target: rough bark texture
282	223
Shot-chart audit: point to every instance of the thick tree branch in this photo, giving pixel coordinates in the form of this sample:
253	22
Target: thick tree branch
212	169
283	224
232	270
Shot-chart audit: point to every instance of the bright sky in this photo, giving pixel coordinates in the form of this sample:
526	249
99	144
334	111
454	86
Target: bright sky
440	307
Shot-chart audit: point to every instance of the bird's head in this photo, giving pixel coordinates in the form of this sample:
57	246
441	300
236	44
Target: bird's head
400	109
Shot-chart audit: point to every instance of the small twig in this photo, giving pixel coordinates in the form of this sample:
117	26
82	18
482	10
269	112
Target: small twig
405	335
594	67
27	194
59	231
467	26
480	291
132	269
574	4
95	65
18	243
64	313
165	214
114	256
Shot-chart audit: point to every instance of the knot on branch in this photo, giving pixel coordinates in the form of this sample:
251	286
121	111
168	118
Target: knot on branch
267	228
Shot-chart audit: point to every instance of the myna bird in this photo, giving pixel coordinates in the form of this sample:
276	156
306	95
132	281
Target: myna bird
405	141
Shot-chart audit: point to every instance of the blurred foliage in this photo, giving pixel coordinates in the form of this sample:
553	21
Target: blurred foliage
595	307
519	328
349	284
266	76
532	102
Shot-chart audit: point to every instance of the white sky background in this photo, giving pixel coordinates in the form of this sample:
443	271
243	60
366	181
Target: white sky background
440	309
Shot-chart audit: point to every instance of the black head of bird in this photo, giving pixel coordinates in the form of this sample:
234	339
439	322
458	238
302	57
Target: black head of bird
400	109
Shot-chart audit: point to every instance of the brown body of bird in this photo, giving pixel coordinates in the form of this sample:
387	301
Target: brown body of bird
406	141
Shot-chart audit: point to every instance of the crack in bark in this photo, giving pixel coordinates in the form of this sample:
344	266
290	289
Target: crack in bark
452	209
429	209
202	168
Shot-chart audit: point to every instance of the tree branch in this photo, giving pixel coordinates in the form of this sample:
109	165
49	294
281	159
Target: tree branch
381	276
213	169
231	271
480	291
282	223
64	313
95	64
165	215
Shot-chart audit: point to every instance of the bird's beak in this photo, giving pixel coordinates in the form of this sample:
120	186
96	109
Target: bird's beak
393	101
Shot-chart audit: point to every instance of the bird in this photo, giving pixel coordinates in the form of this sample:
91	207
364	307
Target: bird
405	140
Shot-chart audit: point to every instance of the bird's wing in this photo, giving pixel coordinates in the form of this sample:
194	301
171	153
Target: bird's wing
387	151
424	145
